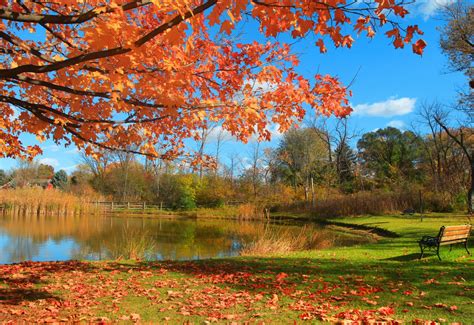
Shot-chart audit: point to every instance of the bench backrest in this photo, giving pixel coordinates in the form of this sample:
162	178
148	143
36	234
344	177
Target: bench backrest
454	234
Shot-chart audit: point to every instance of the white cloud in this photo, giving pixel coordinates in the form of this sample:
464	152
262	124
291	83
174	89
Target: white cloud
429	7
275	131
390	107
49	161
52	148
227	136
70	168
72	151
397	124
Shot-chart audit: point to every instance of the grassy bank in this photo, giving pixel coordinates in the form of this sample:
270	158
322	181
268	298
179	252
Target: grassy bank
383	280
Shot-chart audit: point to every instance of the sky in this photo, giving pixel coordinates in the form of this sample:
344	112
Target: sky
388	85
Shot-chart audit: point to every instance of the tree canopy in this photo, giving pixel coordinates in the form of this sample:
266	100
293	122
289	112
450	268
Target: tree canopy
142	76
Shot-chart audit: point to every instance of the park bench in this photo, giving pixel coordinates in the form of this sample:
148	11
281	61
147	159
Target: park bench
448	235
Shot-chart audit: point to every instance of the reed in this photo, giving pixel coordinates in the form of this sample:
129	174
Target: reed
284	240
361	203
133	244
249	211
40	202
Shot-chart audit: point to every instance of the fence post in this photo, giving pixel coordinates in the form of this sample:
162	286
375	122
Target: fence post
161	205
128	205
144	205
112	205
421	205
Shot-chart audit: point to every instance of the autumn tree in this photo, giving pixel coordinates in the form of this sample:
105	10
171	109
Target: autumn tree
122	74
457	42
301	154
391	155
462	138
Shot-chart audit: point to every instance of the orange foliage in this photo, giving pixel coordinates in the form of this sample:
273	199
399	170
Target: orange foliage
142	76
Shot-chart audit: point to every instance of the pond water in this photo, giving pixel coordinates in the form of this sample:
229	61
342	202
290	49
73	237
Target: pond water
110	237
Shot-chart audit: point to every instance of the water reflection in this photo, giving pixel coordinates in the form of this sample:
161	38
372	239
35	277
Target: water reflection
95	238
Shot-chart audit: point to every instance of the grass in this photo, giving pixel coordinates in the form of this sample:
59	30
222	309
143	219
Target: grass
383	280
40	202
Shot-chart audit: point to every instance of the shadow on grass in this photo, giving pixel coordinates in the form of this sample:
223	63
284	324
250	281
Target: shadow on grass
23	281
16	296
404	258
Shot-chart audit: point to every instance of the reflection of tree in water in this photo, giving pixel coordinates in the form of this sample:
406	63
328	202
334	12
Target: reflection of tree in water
98	237
159	239
20	249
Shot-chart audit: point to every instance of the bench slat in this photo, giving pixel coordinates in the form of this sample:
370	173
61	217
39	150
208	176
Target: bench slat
456	232
457	227
448	238
455	241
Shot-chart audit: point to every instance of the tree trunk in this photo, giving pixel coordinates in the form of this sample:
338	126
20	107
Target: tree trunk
470	193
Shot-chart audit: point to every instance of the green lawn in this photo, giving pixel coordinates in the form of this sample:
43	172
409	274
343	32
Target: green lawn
382	280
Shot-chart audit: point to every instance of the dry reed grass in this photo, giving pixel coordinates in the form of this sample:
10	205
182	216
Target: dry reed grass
284	240
248	211
134	244
40	202
360	203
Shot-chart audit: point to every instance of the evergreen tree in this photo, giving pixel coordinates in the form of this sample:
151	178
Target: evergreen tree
345	161
60	179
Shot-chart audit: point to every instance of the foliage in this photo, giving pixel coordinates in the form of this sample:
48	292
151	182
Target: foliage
390	154
187	190
32	174
299	153
384	175
457	36
60	179
212	192
3	177
345	165
143	76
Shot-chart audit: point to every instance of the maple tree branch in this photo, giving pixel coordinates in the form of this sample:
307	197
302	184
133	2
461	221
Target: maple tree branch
41	108
104	146
89	93
459	141
21	44
175	21
8	14
46	27
6	73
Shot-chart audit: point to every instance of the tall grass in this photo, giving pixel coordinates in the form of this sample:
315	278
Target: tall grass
373	203
133	244
284	240
40	202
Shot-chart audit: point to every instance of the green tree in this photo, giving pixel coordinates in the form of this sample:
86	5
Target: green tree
60	180
298	153
45	171
345	163
391	155
302	158
3	177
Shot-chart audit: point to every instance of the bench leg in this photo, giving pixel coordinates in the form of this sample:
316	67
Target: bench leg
465	246
437	253
422	252
450	247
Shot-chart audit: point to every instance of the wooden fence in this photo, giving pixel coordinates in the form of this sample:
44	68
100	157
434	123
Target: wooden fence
117	206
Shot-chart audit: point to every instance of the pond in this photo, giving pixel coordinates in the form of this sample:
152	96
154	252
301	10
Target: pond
113	237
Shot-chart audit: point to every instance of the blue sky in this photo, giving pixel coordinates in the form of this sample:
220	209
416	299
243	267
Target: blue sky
387	91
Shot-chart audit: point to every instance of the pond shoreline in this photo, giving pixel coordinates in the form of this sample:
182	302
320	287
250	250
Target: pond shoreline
381	281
